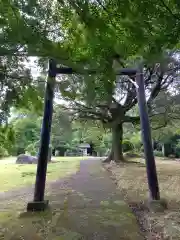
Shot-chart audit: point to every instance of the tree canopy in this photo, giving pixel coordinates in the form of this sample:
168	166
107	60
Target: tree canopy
96	37
77	31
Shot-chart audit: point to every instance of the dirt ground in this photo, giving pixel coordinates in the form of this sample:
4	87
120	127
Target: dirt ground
131	180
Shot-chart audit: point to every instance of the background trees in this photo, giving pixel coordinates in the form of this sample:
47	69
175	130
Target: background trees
6	140
27	129
18	88
23	133
61	134
90	35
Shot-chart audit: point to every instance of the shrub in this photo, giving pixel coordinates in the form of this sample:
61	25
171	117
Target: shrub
136	141
3	152
31	149
158	153
177	149
127	146
177	152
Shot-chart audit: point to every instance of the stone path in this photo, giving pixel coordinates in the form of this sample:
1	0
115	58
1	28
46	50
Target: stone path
88	206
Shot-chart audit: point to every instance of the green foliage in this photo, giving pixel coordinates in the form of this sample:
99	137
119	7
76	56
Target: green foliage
136	140
177	152
127	145
6	140
166	114
33	148
177	149
83	35
61	134
27	127
27	131
3	152
19	88
64	132
91	132
83	30
158	153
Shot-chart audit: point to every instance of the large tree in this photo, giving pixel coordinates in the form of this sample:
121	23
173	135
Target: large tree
88	35
118	105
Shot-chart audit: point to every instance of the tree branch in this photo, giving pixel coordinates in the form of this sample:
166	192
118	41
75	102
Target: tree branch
159	127
155	91
168	9
131	99
89	112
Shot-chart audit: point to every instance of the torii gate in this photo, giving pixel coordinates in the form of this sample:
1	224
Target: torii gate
38	203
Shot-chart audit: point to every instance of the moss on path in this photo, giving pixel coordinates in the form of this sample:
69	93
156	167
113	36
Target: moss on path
84	206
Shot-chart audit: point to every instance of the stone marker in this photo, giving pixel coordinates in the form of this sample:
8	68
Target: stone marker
26	159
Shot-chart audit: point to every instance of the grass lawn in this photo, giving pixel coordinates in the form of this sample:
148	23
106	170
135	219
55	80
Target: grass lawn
35	225
19	175
63	221
131	179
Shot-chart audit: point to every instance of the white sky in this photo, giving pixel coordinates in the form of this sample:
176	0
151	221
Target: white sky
35	70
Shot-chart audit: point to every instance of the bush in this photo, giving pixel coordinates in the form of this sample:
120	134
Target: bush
31	149
158	153
177	152
3	152
136	141
177	149
127	146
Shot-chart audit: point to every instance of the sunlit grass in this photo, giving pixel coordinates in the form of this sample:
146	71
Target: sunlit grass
19	175
62	221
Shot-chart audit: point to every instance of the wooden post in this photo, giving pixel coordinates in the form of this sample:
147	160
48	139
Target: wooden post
146	137
39	204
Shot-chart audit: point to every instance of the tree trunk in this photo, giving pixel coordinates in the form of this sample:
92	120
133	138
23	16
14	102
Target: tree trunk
116	153
109	158
117	138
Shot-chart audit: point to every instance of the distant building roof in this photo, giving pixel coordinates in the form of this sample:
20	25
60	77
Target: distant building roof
84	145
